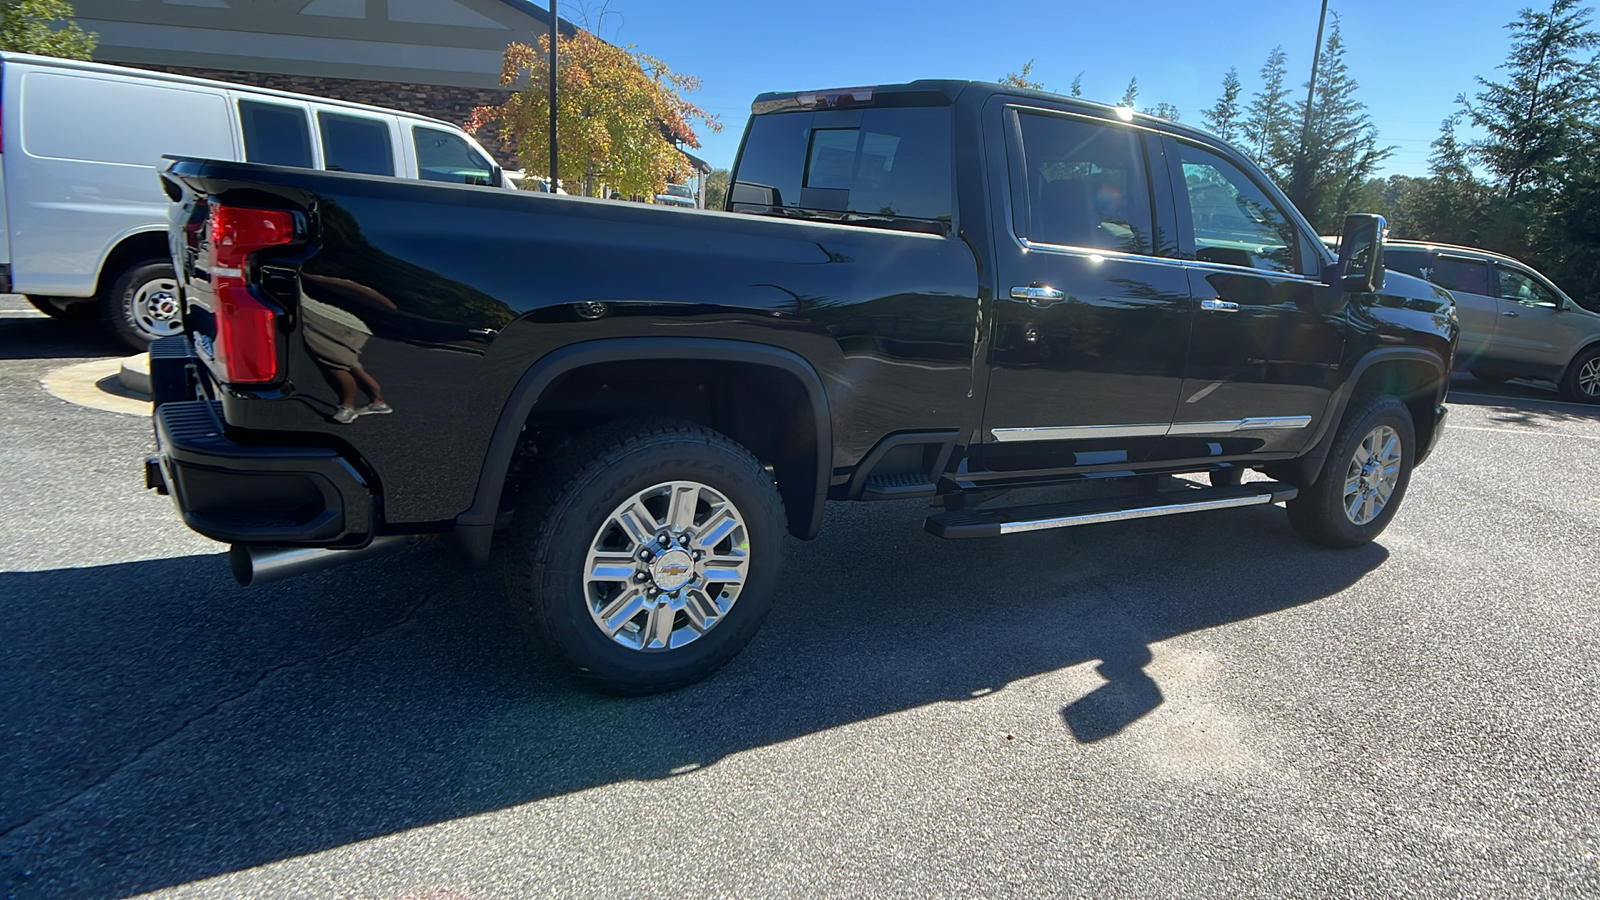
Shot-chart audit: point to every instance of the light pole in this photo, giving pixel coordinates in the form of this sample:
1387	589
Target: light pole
554	37
1301	176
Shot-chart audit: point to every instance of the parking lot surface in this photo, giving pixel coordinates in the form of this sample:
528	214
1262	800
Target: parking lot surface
1195	706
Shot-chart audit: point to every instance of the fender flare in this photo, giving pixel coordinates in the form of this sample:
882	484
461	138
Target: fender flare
1310	463
475	527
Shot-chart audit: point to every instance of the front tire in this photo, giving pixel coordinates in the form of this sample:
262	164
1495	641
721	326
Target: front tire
1582	381
1364	479
650	556
142	304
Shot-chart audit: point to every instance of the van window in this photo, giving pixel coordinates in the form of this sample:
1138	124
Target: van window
355	144
892	163
274	134
1457	273
442	156
121	120
1086	185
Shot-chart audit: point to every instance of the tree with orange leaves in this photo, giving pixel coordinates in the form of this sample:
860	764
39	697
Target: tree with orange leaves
620	114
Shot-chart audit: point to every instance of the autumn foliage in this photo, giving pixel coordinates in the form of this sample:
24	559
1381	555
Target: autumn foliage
620	114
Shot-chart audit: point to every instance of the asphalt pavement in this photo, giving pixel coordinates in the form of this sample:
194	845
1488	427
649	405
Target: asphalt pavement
1196	706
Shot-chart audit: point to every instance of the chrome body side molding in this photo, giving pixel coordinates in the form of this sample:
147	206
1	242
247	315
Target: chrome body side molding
1091	432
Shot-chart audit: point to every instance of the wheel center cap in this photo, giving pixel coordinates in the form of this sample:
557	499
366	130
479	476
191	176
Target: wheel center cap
672	569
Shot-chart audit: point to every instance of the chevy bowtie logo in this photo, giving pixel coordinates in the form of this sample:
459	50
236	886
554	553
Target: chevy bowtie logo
674	570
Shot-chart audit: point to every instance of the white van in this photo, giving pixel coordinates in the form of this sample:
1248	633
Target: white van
84	217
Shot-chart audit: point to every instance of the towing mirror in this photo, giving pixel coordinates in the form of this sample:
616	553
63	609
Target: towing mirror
1361	254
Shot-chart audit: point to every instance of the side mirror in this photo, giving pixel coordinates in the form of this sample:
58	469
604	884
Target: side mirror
1361	254
497	177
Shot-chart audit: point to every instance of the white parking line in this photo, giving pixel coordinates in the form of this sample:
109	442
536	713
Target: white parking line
1581	437
1539	400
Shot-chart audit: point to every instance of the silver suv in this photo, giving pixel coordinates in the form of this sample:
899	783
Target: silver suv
1514	322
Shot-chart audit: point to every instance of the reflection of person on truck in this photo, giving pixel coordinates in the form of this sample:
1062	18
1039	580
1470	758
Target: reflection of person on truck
335	337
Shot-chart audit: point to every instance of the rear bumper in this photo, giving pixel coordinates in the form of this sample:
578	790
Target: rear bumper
258	494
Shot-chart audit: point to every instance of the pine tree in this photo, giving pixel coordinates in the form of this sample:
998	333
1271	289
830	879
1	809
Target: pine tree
1223	119
1131	95
1165	110
1334	157
1267	125
1076	89
1022	79
1535	118
1449	207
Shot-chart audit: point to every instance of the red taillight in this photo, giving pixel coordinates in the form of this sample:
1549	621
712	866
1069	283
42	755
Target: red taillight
246	346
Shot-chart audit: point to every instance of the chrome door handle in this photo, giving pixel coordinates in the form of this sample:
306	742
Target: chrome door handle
1221	306
1511	315
1037	295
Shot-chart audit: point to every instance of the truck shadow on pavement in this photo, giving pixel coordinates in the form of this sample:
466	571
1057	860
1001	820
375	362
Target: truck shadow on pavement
159	725
42	338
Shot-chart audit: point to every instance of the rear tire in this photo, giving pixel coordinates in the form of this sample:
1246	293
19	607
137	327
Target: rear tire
588	573
142	304
66	310
1363	480
1582	381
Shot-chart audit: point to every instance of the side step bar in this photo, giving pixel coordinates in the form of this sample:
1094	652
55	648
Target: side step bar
975	523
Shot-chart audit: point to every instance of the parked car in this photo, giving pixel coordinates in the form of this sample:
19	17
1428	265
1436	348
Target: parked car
1515	323
940	290
677	195
84	218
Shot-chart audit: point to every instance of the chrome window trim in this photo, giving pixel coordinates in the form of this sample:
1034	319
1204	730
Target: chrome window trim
1093	432
1070	250
1265	273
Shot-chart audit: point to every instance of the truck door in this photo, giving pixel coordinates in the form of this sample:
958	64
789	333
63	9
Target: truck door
1091	325
1268	333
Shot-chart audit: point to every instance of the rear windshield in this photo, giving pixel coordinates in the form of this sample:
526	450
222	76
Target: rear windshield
888	167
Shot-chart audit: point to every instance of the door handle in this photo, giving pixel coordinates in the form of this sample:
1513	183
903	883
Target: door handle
1219	306
1040	295
1510	315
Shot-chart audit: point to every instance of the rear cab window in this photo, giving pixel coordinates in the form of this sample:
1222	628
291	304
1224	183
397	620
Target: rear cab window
352	143
276	134
887	167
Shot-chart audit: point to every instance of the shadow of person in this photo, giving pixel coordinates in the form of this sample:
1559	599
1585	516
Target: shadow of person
336	336
1127	696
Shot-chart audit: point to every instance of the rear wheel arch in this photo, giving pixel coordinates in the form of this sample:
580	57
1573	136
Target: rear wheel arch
1565	380
772	387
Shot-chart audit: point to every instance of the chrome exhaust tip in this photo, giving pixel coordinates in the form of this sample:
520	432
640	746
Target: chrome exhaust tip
260	565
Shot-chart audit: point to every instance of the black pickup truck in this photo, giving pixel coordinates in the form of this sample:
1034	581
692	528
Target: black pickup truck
946	290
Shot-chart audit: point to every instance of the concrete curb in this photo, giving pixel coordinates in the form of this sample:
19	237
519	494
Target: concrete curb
135	374
96	384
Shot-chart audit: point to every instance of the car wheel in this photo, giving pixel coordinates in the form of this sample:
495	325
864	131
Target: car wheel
1582	382
62	309
650	555
142	304
1363	480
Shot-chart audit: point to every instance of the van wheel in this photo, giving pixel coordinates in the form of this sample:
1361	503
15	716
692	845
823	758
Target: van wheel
1582	382
1363	480
142	304
65	310
650	555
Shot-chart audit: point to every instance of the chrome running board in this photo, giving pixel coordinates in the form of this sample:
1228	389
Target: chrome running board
974	523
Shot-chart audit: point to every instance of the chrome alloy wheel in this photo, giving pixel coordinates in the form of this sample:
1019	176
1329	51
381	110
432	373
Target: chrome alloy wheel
666	566
155	308
1373	475
1589	378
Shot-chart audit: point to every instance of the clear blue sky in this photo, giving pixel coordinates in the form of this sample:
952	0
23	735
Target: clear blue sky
1411	57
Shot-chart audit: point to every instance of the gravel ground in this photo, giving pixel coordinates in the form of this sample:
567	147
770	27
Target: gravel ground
1196	706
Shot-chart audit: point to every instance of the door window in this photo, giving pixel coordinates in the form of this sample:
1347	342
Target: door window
1235	222
355	144
275	134
442	156
1521	288
1454	273
1085	185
